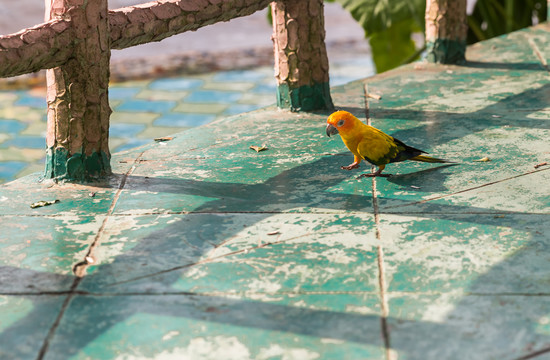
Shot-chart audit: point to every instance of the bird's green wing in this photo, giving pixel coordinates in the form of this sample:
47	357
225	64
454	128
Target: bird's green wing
377	147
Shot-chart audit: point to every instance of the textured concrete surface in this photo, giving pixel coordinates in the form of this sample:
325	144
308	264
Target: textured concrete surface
199	247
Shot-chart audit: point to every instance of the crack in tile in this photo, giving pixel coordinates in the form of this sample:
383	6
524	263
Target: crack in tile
466	190
79	269
207	260
380	254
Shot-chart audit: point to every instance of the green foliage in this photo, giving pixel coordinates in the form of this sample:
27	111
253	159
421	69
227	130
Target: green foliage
496	17
388	24
379	15
393	46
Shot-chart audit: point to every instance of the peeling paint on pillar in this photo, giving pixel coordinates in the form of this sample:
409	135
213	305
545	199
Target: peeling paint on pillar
304	98
77	96
301	62
62	166
446	31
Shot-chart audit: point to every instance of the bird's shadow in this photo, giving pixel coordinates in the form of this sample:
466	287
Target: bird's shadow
429	180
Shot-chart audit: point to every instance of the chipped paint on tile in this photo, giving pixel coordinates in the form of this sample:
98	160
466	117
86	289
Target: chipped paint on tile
74	225
277	351
215	347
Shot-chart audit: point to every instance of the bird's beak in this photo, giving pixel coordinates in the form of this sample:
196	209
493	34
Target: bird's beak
331	130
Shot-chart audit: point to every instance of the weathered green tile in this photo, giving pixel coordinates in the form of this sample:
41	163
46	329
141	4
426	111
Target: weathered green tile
519	194
195	215
235	253
74	199
262	184
212	327
43	259
231	137
25	322
455	326
475	253
511	51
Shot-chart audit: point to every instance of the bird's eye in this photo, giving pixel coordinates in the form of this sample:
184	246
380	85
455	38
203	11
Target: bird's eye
340	123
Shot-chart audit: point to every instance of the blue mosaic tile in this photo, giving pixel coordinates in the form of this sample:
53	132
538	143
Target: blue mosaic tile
239	76
213	96
29	142
8	169
240	108
121	93
9	126
184	119
31	101
157	106
336	80
265	89
172	84
131	144
125	130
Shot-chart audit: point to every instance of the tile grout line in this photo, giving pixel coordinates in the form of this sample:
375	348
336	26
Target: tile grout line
380	255
79	268
55	325
381	275
468	189
535	354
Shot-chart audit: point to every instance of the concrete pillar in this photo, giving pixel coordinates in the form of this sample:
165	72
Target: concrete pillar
301	62
77	95
446	30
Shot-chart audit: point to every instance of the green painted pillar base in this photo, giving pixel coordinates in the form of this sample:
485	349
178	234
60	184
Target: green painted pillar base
304	98
446	51
78	167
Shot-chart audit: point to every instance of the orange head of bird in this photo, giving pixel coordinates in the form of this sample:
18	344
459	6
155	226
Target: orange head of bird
340	122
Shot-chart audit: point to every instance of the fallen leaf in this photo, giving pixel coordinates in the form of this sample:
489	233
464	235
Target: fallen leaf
415	187
43	203
541	164
92	194
274	232
165	138
258	148
485	159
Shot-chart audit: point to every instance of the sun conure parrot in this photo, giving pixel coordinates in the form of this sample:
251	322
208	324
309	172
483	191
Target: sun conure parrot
370	144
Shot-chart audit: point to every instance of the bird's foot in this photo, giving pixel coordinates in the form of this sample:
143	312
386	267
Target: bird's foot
376	174
350	166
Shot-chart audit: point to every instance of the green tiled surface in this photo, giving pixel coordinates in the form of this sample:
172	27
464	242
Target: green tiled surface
144	110
202	248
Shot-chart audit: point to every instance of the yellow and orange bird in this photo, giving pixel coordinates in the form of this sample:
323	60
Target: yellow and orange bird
370	144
